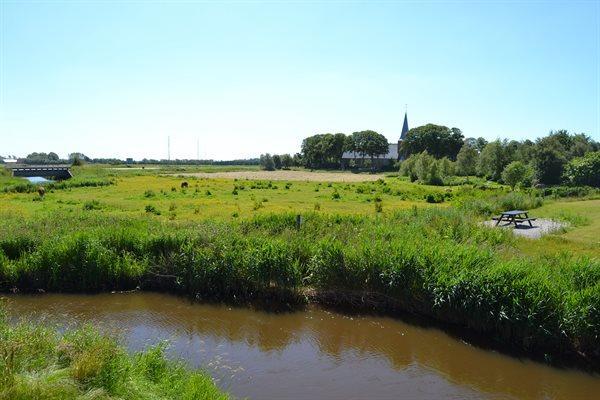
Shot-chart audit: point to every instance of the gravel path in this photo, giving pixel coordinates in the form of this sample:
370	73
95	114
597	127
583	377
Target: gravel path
541	226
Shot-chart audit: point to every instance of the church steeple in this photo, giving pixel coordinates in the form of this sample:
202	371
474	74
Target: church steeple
404	126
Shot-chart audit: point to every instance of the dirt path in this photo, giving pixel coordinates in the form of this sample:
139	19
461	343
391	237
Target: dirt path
288	176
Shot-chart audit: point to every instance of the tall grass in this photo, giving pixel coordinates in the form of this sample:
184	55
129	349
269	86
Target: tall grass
27	187
436	262
38	363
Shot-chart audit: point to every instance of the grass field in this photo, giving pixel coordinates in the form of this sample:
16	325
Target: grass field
211	195
421	245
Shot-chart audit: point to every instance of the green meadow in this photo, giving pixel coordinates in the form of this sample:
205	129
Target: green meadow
421	248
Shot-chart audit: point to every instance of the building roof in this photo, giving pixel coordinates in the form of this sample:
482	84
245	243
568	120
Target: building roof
404	127
392	154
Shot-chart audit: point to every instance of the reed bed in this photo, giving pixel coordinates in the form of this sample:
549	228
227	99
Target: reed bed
435	262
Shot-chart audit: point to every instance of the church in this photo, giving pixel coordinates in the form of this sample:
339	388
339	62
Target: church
351	159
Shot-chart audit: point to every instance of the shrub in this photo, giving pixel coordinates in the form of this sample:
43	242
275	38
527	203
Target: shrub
92	205
151	209
516	173
434	198
584	170
378	206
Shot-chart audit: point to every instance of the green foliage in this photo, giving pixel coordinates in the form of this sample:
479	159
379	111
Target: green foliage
426	169
266	162
286	161
439	141
277	161
42	158
496	204
323	150
369	143
27	187
549	165
516	173
466	160
584	170
152	209
492	161
92	205
39	363
437	262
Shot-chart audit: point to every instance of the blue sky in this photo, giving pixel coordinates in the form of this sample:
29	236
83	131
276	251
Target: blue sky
116	78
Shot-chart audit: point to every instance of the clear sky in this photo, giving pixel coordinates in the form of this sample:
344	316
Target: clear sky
112	78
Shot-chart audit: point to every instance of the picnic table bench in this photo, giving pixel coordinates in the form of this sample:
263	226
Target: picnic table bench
514	217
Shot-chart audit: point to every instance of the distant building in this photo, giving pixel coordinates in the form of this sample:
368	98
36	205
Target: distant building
129	160
352	158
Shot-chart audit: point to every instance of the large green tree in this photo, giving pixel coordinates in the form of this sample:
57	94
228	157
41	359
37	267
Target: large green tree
492	161
439	141
323	150
466	160
369	143
266	162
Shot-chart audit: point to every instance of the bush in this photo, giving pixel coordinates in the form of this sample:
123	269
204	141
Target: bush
584	170
516	173
434	198
92	205
151	209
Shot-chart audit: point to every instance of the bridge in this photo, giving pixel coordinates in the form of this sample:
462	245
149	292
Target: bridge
56	172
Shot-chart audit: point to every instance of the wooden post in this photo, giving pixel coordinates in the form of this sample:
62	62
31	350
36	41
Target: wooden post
298	221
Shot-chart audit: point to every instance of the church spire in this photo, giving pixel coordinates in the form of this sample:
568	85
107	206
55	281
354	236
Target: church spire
404	126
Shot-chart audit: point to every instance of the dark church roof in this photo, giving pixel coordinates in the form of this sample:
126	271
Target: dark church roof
404	127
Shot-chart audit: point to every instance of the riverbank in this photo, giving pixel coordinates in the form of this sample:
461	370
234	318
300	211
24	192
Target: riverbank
439	263
302	354
39	363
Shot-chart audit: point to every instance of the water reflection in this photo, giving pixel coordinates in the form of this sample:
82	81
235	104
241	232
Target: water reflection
314	353
38	179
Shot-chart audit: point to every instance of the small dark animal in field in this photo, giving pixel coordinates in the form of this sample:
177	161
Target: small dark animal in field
41	191
184	185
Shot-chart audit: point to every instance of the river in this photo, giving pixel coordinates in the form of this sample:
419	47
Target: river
311	354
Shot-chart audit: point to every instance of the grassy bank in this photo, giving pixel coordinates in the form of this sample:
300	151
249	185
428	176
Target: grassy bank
435	262
38	363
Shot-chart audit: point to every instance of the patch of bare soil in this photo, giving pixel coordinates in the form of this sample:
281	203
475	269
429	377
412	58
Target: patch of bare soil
288	176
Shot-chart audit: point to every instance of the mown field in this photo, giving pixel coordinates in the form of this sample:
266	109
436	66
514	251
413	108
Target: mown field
420	247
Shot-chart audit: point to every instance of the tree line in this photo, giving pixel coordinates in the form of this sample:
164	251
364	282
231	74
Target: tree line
80	158
324	151
558	158
433	154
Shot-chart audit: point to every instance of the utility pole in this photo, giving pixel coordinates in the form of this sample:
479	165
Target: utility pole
169	148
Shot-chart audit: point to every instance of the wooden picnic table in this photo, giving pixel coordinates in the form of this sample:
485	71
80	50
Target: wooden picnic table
514	217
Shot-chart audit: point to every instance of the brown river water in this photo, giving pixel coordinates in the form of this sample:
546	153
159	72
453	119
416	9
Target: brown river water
311	354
